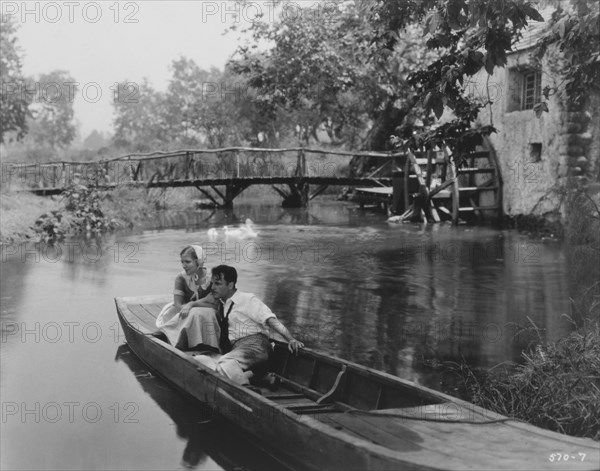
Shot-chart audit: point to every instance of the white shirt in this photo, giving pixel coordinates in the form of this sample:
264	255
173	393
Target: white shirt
248	316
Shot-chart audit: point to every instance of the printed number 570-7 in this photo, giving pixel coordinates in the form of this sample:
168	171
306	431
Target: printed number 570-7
566	456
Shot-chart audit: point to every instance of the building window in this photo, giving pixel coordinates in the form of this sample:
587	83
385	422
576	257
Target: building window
524	88
532	82
535	152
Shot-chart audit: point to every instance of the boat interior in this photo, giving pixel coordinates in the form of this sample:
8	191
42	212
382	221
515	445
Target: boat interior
310	382
346	396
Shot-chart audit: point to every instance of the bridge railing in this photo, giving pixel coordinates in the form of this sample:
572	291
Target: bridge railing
189	164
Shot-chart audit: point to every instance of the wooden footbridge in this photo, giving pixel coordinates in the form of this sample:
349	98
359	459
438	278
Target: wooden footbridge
220	174
427	186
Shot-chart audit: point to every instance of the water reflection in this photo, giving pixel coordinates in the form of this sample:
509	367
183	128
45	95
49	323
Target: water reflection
408	299
206	438
11	287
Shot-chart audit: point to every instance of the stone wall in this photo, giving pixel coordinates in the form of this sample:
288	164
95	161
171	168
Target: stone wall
538	155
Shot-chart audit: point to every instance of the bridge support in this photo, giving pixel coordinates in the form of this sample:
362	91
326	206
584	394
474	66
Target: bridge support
231	191
297	197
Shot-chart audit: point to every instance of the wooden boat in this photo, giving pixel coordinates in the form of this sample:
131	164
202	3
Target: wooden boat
328	413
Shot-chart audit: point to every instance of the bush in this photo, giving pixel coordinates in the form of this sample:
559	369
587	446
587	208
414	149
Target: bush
557	387
84	203
82	213
52	226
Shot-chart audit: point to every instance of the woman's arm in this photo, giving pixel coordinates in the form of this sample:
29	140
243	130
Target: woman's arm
178	300
278	327
179	292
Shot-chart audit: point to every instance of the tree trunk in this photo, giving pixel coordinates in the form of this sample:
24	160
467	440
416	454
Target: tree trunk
378	137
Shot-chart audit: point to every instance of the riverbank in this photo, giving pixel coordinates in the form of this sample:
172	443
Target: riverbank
27	217
556	387
19	211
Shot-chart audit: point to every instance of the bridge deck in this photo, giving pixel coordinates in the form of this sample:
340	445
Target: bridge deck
242	181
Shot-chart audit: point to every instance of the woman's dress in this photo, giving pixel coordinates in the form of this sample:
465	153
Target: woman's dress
200	326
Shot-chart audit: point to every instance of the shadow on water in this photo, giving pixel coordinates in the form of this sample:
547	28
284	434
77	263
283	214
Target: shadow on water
206	435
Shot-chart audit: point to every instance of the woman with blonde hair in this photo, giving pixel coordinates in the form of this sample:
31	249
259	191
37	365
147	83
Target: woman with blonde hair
190	322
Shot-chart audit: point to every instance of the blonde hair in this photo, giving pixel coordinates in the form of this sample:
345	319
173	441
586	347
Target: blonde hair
194	250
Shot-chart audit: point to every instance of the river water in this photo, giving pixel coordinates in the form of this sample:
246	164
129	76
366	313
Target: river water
400	298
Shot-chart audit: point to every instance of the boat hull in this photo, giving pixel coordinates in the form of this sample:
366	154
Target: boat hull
329	439
298	442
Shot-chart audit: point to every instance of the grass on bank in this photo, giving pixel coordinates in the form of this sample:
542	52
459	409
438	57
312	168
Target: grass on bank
557	387
27	217
19	212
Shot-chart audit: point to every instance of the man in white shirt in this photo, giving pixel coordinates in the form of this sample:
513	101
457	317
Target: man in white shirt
245	323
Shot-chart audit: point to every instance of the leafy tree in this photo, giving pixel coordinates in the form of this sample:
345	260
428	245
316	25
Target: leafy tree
14	96
184	92
139	117
217	119
366	63
575	31
52	120
310	71
202	105
321	72
198	106
471	35
95	140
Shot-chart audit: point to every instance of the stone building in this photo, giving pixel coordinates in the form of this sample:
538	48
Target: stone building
538	156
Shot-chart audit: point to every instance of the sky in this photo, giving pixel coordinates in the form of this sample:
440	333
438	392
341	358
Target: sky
104	42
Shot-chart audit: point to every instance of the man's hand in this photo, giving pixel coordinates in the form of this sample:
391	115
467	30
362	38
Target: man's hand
294	345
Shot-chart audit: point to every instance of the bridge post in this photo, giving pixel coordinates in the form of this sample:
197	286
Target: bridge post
229	197
298	196
398	182
304	197
299	191
301	164
188	164
232	190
